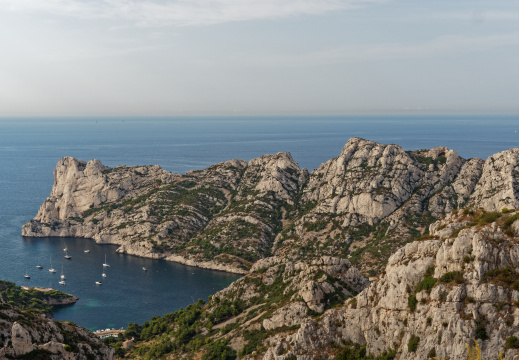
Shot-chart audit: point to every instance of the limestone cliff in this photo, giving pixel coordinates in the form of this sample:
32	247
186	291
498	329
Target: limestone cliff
25	334
362	205
440	231
438	294
459	283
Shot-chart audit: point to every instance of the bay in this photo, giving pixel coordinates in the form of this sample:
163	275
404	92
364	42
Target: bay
31	147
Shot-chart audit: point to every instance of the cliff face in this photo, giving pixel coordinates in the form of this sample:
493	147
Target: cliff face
362	205
461	284
193	218
28	335
303	239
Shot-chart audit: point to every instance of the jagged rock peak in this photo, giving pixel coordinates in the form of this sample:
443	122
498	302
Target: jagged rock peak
438	294
498	186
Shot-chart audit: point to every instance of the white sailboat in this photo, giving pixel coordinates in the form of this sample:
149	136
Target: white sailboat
51	269
105	263
87	250
62	276
27	276
67	256
99	283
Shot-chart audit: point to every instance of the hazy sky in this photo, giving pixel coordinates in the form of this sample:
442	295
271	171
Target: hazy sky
189	57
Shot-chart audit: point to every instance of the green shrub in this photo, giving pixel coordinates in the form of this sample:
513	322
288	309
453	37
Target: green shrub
480	331
219	350
255	339
412	302
36	354
356	352
468	258
512	342
429	271
510	220
487	218
455	233
506	277
426	284
451	276
412	345
316	226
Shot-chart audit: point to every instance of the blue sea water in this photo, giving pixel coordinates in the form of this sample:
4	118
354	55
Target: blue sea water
30	149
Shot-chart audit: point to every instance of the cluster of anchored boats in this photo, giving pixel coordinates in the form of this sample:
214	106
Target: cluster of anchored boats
68	257
63	277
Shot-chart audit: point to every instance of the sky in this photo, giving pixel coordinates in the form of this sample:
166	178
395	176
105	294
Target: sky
258	57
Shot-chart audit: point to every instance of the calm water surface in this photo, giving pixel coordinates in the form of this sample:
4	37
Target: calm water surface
30	149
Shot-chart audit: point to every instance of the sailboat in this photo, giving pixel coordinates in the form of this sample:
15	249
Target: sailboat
51	269
67	256
39	266
105	263
86	250
27	276
99	283
65	249
62	276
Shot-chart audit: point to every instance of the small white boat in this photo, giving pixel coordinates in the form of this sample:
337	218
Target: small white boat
65	249
39	267
99	283
86	250
27	276
144	268
67	256
51	269
105	263
62	276
62	282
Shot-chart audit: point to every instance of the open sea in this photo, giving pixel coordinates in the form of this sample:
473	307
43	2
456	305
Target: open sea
30	149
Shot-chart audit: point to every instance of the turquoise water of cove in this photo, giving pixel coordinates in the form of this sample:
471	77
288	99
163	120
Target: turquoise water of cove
30	149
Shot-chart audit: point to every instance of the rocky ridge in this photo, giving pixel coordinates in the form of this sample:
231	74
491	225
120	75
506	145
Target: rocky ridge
457	279
458	283
362	205
439	294
29	334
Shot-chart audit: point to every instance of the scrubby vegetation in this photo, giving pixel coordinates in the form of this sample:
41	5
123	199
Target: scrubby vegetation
506	277
32	299
357	352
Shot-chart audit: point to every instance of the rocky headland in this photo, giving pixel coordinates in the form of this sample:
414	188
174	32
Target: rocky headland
435	234
28	332
361	205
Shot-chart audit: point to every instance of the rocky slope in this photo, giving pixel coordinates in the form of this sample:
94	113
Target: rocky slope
362	205
27	333
296	235
193	218
460	282
437	294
